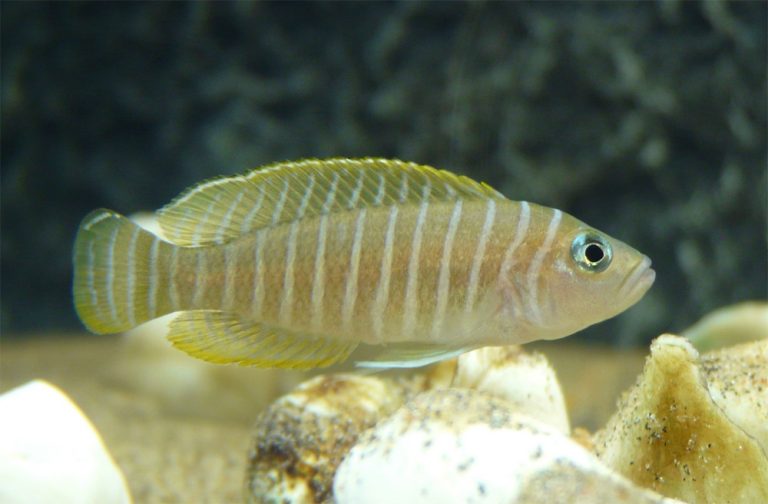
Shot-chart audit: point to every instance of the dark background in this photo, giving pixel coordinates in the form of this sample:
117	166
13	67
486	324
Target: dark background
646	120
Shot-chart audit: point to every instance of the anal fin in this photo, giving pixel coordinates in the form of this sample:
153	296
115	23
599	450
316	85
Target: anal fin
222	337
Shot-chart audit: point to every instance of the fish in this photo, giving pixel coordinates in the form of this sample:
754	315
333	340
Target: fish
303	264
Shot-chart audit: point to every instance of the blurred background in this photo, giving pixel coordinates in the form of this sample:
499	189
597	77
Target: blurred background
645	119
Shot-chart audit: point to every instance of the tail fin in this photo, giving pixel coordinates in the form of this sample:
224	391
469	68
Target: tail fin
119	273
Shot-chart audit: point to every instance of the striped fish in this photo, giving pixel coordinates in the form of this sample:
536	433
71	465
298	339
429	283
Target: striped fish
297	264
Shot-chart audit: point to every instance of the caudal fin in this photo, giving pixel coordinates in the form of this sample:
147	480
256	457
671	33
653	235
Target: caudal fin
118	271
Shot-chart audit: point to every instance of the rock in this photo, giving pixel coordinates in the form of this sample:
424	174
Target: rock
455	445
737	380
301	439
526	380
676	434
731	325
50	451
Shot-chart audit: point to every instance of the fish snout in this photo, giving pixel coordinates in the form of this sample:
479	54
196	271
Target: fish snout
638	281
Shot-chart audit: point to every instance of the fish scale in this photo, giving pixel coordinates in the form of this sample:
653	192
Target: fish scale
336	263
298	264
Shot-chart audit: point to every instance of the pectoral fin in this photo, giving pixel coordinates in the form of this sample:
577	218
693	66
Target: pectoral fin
410	355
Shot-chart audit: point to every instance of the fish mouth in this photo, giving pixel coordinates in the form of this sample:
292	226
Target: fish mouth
638	281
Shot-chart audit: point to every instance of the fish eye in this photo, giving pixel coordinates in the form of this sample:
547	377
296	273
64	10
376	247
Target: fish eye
591	252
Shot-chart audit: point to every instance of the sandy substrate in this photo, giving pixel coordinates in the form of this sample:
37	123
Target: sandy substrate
170	458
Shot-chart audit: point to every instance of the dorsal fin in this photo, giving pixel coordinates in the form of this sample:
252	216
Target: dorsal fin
221	209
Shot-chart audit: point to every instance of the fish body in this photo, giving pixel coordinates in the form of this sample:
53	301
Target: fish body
297	264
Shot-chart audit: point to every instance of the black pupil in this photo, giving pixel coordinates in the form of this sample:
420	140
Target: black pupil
594	253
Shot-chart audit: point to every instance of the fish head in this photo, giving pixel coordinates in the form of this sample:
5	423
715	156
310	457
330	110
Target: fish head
590	278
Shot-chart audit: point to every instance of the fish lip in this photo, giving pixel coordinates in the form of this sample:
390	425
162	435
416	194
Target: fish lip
639	280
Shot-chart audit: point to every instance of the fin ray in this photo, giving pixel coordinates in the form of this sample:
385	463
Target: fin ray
113	287
223	337
221	209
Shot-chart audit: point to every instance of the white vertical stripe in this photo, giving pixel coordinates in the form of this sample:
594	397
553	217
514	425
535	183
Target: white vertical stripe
412	276
318	279
130	276
286	300
91	275
95	220
305	199
444	275
200	270
203	221
357	190
380	192
382	289
231	254
426	190
90	280
173	290
513	296
449	191
245	226
523	222
330	197
477	258
152	292
535	267
345	188
513	303
350	292
257	302
109	287
224	226
281	201
403	187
